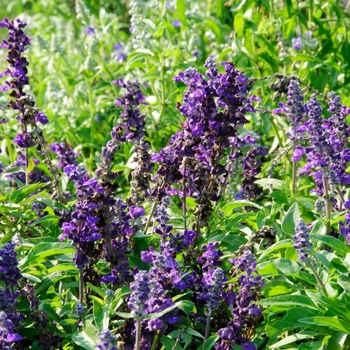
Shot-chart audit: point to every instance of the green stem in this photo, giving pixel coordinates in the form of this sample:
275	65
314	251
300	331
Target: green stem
318	279
81	286
311	10
150	216
27	166
207	328
155	341
275	128
327	206
184	208
294	177
138	333
162	91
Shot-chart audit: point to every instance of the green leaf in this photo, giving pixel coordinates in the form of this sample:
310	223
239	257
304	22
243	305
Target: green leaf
228	208
169	343
274	288
238	25
25	191
46	249
181	9
186	306
87	338
331	322
286	243
238	6
288	301
332	242
49	218
344	282
274	183
293	338
210	342
291	219
31	277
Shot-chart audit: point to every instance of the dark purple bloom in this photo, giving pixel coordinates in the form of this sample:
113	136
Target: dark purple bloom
90	31
119	54
7	332
302	242
140	294
213	284
344	227
9	271
176	23
241	304
64	154
297	43
137	212
108	341
41	117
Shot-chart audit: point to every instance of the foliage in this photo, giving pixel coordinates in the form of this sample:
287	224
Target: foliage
174	174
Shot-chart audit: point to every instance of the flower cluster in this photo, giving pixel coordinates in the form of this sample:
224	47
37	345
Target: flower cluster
64	154
82	229
9	276
107	341
307	41
241	304
295	112
8	334
302	241
16	44
213	285
129	129
140	294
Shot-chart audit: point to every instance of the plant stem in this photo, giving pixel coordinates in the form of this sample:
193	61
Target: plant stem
318	278
207	328
81	286
155	341
150	217
184	208
294	177
138	333
328	205
27	166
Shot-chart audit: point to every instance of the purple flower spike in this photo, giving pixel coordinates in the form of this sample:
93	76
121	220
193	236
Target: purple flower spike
140	294
302	241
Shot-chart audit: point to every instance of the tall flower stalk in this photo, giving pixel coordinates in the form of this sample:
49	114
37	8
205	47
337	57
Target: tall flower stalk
295	113
28	116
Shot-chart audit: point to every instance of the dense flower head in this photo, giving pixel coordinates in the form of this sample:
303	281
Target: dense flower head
119	53
7	332
108	341
64	154
214	108
16	44
213	284
9	271
82	229
241	303
320	152
294	110
302	241
339	133
164	270
210	257
132	120
344	228
140	294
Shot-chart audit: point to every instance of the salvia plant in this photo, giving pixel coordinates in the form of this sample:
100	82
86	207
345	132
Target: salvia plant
174	175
